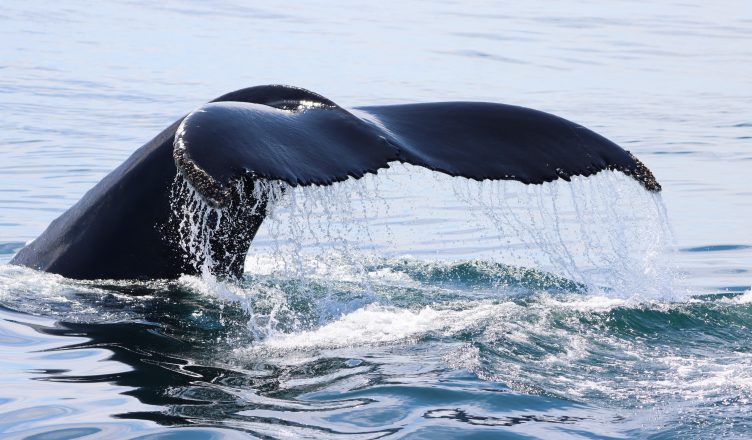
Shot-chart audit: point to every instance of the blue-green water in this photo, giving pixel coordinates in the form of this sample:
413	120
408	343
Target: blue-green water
406	305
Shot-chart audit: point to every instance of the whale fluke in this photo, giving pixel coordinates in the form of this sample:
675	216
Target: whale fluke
317	142
482	140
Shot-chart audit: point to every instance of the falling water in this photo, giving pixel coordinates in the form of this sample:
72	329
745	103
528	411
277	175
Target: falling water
604	232
200	224
321	244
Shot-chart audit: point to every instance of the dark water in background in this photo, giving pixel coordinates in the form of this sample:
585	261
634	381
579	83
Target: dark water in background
430	327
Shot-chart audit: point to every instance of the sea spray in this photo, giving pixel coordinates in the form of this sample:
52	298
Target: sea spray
204	233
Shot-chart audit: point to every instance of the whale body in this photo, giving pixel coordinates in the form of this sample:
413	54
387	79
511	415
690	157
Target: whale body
125	226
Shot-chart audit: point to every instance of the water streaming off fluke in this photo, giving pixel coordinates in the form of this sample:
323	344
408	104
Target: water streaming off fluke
604	233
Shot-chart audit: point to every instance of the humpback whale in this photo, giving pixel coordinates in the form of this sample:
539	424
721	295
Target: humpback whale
125	226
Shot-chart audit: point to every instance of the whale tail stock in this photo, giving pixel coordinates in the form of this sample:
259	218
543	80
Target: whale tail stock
127	225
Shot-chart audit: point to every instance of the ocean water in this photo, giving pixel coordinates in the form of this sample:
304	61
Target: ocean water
406	304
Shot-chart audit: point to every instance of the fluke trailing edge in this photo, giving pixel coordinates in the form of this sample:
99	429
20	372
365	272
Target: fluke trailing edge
125	227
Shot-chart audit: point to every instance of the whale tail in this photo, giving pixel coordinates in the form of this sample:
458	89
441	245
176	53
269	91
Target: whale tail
292	135
233	147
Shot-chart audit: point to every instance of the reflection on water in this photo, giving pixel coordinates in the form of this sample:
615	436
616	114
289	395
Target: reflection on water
441	318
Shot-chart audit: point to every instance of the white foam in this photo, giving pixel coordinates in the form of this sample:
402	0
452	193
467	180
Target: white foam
261	325
745	298
48	294
378	324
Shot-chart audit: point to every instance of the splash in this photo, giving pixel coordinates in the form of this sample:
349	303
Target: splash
408	237
377	324
629	353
